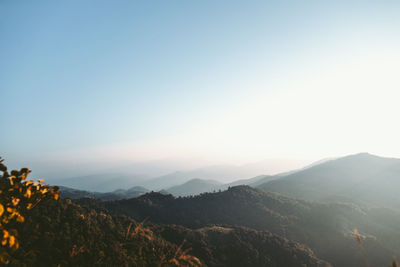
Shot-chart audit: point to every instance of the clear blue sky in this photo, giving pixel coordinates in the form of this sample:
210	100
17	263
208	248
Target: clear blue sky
164	76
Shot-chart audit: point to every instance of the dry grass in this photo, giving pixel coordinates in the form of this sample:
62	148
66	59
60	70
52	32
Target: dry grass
358	238
182	258
139	230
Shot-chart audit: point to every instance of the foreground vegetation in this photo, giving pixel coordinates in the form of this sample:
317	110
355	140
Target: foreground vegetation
18	196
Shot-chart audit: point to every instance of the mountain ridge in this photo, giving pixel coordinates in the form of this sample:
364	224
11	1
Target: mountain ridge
360	178
321	226
194	187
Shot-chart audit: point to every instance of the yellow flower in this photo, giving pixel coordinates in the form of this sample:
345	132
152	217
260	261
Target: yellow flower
11	241
15	201
28	193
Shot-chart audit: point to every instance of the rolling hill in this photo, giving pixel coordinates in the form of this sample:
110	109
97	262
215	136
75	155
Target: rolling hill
327	228
66	192
64	233
195	187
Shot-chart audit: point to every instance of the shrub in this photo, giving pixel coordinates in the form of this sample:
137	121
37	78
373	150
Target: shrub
17	196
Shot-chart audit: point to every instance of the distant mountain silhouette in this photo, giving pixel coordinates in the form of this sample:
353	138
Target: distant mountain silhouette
260	179
225	174
158	175
102	182
199	186
360	178
119	194
195	187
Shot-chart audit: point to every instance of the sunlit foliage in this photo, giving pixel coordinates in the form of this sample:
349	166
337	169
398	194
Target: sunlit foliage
182	258
17	196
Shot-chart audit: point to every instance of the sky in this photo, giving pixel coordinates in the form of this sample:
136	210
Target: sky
231	81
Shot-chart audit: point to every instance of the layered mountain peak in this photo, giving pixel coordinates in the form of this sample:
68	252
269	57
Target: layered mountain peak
360	178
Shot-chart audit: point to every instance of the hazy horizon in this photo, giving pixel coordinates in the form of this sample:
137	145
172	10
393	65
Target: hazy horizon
138	173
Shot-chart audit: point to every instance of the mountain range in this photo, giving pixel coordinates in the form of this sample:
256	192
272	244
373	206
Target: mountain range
338	212
160	175
361	178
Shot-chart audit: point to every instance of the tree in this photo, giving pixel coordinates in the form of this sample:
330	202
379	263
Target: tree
17	196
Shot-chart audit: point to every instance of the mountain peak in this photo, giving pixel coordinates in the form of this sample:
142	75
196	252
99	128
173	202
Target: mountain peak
364	155
359	178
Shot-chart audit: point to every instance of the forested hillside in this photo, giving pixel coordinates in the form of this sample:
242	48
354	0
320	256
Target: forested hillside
132	192
67	234
328	229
